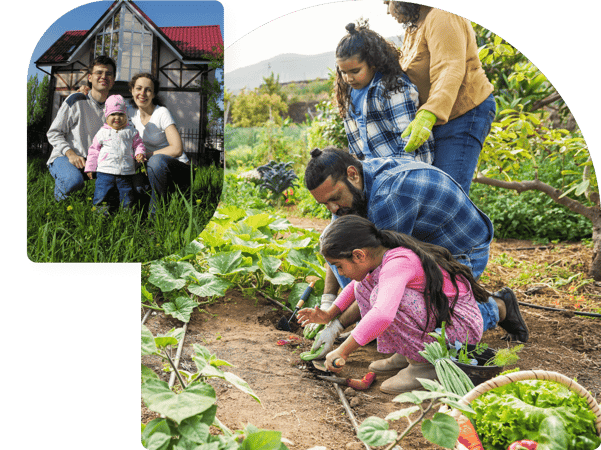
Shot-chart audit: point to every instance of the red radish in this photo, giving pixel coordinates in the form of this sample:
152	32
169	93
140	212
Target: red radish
523	445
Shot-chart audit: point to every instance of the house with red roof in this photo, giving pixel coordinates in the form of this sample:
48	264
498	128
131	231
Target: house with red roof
179	56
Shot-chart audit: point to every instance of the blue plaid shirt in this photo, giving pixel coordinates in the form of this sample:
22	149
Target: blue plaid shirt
422	201
386	119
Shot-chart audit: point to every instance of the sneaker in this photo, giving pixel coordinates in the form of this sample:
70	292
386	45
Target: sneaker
514	324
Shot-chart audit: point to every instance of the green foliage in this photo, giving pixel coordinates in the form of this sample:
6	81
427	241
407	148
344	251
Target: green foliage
328	128
522	409
276	143
190	411
251	109
214	90
271	85
254	251
37	103
441	429
277	178
73	231
516	150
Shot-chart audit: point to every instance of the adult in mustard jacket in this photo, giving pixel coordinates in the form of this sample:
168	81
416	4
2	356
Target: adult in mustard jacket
456	105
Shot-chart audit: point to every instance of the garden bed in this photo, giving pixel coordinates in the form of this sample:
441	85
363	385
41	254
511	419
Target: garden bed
308	411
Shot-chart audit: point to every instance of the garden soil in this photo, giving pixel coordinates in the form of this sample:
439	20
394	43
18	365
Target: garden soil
309	412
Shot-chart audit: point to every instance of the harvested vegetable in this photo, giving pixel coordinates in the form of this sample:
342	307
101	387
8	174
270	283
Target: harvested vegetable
542	411
309	333
523	445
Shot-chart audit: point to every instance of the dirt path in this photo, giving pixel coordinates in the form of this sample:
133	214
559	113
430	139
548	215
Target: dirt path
307	410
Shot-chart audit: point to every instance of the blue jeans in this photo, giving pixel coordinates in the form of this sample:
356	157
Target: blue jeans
164	173
458	143
67	177
106	181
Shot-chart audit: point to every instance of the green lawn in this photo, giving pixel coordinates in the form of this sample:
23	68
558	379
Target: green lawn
74	231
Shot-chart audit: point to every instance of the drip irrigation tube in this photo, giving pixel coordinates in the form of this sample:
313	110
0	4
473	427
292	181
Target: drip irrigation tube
177	356
549	308
349	411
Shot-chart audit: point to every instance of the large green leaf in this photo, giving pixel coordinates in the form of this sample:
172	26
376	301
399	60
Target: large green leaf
281	279
209	285
148	345
233	212
441	430
181	308
195	399
157	435
148	373
225	263
164	279
374	431
280	224
259	220
262	440
269	265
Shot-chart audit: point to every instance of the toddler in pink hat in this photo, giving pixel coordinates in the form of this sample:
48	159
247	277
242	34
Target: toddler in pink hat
113	153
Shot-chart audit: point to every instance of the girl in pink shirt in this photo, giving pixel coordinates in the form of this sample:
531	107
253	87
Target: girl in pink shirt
405	289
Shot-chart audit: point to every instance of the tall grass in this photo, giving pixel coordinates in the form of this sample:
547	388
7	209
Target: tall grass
73	231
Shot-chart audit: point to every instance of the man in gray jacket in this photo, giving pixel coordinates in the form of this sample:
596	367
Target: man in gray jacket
72	131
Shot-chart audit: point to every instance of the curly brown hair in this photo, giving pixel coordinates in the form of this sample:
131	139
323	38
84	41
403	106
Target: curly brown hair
369	47
410	11
155	82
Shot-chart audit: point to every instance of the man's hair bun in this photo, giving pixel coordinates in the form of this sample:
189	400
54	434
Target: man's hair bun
316	153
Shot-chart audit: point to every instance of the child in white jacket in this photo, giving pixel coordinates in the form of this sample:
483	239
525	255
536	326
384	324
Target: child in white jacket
112	153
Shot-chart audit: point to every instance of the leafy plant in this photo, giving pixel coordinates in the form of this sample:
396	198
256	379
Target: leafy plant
190	411
254	251
277	178
441	430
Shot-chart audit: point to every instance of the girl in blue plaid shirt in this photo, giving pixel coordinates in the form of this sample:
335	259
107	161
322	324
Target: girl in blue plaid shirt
375	97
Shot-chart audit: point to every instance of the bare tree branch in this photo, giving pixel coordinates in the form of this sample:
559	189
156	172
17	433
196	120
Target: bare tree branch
546	101
591	213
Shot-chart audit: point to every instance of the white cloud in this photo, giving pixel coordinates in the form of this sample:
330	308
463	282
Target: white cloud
313	30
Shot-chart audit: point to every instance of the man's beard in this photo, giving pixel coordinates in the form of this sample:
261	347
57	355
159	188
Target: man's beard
358	205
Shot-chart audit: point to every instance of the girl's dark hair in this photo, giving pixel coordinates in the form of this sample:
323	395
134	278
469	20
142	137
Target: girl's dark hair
351	232
369	47
410	11
155	82
326	162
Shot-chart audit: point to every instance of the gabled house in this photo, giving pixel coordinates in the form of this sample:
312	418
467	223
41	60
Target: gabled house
178	56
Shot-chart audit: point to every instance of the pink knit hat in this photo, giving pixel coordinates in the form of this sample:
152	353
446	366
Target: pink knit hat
114	104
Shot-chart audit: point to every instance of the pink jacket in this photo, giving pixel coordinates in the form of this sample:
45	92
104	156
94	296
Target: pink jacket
113	151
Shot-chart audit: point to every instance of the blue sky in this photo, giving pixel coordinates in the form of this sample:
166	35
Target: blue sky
162	13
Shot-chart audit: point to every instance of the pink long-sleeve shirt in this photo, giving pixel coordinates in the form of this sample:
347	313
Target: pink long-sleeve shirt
401	269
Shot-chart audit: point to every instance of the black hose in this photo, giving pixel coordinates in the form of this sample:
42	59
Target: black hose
548	308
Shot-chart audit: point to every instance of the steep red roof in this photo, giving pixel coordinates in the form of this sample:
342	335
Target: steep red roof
195	42
62	48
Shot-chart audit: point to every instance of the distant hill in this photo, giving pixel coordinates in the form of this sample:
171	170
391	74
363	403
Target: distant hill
289	66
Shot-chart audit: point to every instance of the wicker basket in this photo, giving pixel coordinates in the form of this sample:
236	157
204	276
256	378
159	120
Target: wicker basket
529	375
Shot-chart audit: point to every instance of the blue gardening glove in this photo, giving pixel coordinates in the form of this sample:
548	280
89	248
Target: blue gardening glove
325	339
312	329
419	129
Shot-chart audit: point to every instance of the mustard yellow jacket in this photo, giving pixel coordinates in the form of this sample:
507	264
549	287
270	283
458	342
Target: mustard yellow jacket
441	59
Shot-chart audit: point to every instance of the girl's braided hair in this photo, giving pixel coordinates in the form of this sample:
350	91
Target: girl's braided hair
351	232
369	47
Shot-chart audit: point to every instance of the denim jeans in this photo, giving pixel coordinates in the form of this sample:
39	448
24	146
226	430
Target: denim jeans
106	181
67	177
164	173
458	142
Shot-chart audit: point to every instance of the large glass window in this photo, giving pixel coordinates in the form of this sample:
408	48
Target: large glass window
125	39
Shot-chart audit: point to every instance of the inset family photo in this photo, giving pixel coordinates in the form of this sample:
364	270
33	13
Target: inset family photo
125	131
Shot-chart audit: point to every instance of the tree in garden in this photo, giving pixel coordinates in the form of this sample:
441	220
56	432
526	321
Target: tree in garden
271	85
520	136
37	104
252	109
